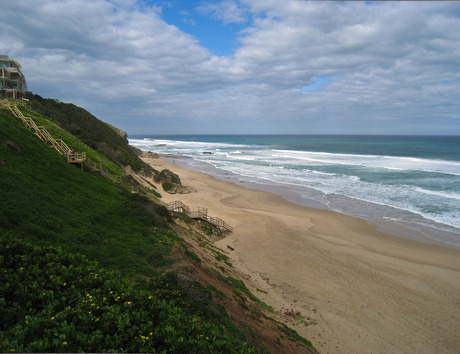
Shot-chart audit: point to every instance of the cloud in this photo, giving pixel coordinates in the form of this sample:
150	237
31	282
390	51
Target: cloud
300	67
227	11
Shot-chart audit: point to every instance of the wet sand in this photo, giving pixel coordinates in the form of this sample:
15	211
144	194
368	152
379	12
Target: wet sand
362	291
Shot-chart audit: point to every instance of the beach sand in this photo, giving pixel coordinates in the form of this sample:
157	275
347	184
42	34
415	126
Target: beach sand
361	290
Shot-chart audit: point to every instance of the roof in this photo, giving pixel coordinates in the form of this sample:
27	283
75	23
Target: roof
8	59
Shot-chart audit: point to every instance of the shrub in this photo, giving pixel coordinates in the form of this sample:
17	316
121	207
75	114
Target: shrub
53	301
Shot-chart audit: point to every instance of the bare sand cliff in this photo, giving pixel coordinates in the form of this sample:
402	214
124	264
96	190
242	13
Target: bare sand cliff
361	291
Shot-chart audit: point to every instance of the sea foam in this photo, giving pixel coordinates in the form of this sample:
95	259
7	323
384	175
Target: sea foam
424	191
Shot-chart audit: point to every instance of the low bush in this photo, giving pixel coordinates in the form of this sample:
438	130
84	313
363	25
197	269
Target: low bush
53	301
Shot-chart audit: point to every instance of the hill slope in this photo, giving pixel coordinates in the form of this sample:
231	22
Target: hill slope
98	135
49	203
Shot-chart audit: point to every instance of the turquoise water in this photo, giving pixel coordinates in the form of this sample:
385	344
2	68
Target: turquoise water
410	180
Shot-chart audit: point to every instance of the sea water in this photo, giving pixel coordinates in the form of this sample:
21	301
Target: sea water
410	181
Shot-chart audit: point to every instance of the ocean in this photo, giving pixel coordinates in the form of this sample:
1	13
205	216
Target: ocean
406	185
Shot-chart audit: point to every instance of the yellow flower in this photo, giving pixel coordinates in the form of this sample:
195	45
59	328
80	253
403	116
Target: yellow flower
65	284
64	343
52	318
97	319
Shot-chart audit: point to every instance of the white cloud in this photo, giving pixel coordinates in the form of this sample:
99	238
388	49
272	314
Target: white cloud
227	11
393	64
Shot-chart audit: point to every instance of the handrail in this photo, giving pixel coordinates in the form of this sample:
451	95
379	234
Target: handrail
59	145
199	213
45	134
76	157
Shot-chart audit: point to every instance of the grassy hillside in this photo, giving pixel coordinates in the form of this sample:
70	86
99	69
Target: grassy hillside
50	202
98	135
86	264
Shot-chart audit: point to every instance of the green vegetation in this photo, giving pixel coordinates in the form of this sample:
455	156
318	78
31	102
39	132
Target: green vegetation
294	336
56	221
169	180
208	229
221	257
219	294
98	135
241	286
73	142
51	202
85	264
191	254
53	301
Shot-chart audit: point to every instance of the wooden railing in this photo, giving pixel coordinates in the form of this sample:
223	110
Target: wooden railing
76	157
59	145
199	213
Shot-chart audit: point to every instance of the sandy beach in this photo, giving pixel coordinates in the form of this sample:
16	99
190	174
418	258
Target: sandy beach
362	291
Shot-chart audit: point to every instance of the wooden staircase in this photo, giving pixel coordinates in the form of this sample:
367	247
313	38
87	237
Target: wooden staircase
58	144
40	131
199	213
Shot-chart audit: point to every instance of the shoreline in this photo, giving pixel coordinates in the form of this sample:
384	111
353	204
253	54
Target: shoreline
399	228
361	290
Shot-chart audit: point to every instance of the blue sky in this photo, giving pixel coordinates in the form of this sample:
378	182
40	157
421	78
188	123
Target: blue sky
318	84
244	66
220	37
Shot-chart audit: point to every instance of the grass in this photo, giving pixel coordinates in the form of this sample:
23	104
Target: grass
96	134
73	217
219	294
50	202
241	286
56	221
73	142
294	336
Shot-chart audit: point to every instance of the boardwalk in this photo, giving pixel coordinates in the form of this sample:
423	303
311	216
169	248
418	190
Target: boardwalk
199	213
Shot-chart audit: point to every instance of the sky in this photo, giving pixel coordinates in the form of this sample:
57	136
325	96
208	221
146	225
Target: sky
244	66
